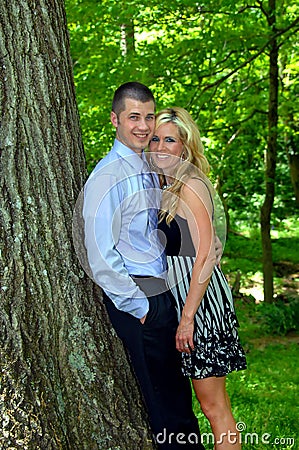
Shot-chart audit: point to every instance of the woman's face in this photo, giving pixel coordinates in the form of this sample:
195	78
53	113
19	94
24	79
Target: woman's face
166	147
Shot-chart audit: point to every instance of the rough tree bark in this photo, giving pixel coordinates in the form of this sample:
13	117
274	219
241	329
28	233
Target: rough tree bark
65	382
270	160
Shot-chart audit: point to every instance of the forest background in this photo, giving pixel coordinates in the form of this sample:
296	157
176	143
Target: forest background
234	67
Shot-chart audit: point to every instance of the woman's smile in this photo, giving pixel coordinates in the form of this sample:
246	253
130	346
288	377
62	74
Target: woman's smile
166	146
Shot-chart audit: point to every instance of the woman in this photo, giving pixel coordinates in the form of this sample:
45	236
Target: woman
207	332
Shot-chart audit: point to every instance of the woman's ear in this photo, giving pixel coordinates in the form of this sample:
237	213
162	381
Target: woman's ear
113	118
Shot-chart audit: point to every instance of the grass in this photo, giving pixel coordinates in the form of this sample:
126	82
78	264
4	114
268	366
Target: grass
265	397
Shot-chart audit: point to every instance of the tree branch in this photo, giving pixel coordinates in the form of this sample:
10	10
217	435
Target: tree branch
253	57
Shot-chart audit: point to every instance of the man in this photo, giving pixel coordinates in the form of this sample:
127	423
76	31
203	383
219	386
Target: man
128	262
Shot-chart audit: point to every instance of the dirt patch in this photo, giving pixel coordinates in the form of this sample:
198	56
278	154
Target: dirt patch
286	269
263	342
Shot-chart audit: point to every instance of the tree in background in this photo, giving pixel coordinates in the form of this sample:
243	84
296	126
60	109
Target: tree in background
233	66
65	382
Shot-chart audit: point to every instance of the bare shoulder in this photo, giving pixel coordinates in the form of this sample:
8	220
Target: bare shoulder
197	193
197	185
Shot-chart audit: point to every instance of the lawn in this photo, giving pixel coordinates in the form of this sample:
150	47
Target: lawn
265	397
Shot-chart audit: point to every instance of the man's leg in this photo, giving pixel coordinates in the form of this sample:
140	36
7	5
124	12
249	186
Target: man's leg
173	390
130	331
156	363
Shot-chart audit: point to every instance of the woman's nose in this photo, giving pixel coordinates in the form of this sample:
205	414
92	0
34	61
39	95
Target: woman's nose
160	145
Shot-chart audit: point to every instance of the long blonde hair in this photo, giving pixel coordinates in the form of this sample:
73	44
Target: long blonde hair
193	159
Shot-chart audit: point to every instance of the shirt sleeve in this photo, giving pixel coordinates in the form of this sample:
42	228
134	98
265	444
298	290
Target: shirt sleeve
102	224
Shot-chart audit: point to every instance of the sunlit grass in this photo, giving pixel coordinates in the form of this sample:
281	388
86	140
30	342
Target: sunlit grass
265	396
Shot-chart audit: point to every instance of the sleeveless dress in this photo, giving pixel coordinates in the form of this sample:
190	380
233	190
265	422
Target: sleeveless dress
217	346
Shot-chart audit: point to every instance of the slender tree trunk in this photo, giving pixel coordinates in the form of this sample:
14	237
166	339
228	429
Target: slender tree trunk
65	382
127	31
270	162
128	38
292	148
293	157
291	133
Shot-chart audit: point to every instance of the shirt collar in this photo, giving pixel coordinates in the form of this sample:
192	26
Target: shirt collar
131	157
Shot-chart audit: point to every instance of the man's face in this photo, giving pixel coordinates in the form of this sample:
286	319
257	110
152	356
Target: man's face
135	125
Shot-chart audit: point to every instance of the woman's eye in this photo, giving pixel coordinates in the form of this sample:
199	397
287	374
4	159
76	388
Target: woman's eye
155	139
169	139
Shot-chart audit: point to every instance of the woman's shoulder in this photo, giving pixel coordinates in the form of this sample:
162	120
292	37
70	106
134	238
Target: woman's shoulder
196	182
197	190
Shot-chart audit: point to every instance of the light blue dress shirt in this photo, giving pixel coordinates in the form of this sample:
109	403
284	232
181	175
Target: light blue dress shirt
118	240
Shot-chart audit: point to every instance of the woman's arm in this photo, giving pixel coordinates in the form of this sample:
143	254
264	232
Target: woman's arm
196	206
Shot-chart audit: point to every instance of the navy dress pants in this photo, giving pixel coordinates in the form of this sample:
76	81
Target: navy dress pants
157	365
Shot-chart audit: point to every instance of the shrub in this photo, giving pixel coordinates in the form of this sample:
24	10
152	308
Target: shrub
278	318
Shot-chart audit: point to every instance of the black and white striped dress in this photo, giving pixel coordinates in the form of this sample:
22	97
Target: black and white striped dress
217	346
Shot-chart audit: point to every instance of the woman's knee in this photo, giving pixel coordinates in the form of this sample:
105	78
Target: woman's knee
211	409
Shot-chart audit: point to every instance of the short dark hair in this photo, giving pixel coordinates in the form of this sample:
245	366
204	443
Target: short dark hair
134	90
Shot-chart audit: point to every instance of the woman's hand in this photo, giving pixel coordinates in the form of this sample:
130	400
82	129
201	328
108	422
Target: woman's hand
184	335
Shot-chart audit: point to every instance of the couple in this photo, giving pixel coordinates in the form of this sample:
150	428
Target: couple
127	248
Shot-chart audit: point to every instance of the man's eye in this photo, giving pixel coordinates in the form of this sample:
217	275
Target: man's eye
134	117
150	118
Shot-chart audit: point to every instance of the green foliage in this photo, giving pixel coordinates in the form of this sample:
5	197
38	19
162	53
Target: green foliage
213	60
285	238
243	255
210	59
278	318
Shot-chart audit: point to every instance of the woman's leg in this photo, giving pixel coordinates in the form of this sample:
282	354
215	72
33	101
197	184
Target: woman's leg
214	401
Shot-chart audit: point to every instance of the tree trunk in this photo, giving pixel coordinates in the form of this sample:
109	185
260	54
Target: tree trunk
293	157
65	382
270	162
292	148
127	28
127	38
